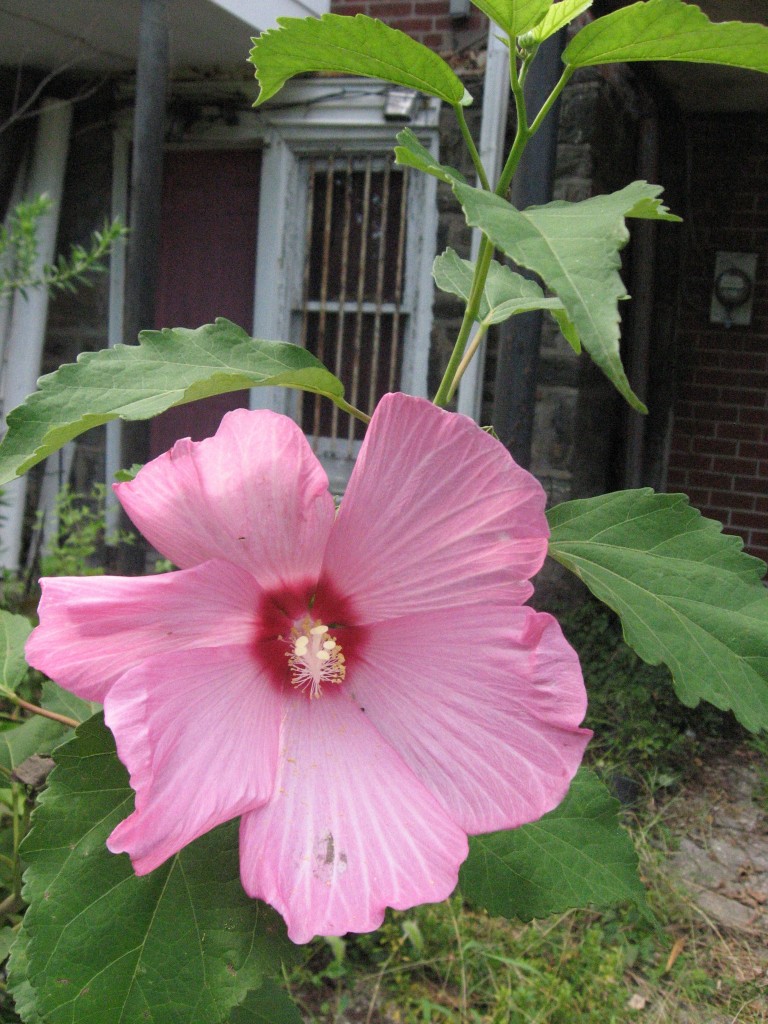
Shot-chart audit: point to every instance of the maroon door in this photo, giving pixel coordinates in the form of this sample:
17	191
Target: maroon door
207	265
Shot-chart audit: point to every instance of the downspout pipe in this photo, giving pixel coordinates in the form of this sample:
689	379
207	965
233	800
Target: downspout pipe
519	338
643	270
143	246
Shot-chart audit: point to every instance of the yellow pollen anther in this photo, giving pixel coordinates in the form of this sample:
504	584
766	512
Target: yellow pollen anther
315	658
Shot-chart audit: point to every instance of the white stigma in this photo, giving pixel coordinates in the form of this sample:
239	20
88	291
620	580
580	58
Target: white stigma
315	658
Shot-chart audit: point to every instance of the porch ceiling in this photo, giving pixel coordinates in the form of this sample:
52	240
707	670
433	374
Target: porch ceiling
703	87
102	35
708	87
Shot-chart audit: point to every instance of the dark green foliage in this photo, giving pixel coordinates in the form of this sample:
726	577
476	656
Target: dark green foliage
639	724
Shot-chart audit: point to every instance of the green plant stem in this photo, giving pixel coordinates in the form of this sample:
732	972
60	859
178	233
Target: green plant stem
551	99
484	257
459	361
17	837
461	356
470	144
462	963
467	357
357	413
523	132
11	904
486	250
53	715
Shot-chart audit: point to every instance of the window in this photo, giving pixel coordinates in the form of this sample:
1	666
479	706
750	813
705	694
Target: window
353	307
357	289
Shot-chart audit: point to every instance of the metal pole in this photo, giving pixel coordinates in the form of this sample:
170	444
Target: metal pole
642	290
145	200
517	362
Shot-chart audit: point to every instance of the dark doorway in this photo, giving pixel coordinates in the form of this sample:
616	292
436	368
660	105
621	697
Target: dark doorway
207	265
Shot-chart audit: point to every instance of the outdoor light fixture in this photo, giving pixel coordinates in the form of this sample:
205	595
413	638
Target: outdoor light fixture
400	104
459	9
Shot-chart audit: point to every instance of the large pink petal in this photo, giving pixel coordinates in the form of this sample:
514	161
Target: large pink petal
92	629
198	732
349	829
437	514
253	494
483	704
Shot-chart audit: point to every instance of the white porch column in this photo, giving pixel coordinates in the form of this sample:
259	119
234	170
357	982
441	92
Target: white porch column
29	315
496	90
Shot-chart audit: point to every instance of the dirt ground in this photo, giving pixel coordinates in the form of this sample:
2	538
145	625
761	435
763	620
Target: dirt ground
723	849
720	824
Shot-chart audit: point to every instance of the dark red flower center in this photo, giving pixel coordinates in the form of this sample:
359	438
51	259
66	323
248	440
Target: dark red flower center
306	639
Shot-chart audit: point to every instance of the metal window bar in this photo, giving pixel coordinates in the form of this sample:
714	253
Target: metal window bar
320	347
372	396
346	226
395	348
354	399
352	311
307	248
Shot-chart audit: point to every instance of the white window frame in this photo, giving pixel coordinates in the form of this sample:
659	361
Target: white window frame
308	117
351	120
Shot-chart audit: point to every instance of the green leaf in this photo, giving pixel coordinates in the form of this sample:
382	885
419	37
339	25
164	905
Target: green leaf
351	46
505	294
182	945
668	30
63	702
18	981
39	735
567	329
411	153
574	857
514	16
125	475
269	1004
14	630
574	247
7	938
686	593
558	16
34	735
134	382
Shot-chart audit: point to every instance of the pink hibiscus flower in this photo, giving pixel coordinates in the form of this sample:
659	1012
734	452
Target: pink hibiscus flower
364	688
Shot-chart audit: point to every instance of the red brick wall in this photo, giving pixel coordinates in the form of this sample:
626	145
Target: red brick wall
425	20
719	452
